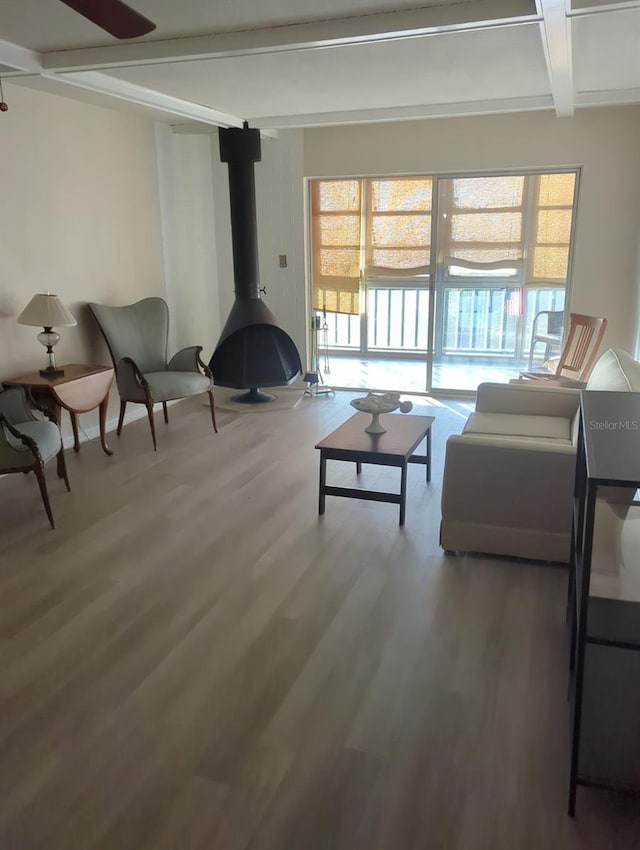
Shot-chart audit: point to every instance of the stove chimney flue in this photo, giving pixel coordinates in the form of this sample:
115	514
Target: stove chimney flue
240	149
253	351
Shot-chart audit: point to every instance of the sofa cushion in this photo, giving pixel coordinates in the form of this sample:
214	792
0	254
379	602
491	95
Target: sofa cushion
518	425
615	371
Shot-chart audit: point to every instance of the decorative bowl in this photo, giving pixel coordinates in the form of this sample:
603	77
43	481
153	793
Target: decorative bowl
377	403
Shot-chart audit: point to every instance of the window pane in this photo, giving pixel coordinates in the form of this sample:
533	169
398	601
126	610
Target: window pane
340	230
492	192
337	301
556	190
401	194
550	263
406	230
554	226
401	258
486	227
463	271
339	194
340	262
486	255
478	321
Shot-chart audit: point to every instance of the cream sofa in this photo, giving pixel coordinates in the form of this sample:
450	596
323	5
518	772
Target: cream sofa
508	478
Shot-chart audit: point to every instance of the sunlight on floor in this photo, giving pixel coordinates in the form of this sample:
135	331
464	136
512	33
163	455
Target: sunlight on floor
411	375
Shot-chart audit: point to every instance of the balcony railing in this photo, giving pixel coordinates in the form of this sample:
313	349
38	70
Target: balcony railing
397	318
492	322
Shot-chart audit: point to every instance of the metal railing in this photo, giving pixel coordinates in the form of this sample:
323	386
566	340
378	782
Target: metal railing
397	318
482	321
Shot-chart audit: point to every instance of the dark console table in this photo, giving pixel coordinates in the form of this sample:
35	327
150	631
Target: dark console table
604	596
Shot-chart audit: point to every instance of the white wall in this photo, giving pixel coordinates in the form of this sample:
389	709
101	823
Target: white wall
185	173
280	203
79	217
604	142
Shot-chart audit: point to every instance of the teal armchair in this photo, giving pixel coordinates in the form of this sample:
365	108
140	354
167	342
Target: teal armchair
137	336
27	442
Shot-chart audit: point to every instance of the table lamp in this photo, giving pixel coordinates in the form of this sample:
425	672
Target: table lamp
47	311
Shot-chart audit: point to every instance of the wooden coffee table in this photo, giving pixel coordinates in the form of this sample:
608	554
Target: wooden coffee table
395	447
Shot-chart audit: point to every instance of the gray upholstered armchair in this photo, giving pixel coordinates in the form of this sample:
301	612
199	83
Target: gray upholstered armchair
27	442
137	337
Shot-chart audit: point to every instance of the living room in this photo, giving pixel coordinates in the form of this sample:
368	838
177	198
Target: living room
206	664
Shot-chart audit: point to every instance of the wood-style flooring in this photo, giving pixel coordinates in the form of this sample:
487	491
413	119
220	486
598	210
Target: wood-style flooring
194	660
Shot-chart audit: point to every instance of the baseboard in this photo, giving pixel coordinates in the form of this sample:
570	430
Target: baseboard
85	435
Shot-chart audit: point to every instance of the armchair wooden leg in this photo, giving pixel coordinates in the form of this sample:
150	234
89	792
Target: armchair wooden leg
62	468
166	412
213	410
39	471
123	407
152	423
103	425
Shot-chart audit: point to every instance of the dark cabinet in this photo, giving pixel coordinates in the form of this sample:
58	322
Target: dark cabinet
604	596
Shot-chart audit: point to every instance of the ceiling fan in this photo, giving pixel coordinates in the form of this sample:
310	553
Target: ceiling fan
114	16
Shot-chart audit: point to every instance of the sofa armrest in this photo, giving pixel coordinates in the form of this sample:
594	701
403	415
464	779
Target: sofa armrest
528	400
483	478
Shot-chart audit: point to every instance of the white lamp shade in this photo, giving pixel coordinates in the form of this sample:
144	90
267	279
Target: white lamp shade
46	311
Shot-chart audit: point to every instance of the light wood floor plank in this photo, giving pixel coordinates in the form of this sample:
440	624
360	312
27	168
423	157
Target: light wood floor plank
195	660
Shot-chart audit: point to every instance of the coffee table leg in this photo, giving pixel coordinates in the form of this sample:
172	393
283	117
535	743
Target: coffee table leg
358	467
429	455
323	481
403	491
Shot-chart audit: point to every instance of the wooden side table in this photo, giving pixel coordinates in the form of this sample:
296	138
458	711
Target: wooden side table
82	388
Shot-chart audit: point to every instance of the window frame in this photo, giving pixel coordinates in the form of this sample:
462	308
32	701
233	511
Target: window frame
437	275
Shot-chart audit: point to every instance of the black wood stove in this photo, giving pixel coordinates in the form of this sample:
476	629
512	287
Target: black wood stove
253	351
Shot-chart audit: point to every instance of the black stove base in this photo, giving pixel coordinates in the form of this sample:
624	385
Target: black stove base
254	396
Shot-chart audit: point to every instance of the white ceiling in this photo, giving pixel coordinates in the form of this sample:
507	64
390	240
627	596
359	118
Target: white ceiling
284	63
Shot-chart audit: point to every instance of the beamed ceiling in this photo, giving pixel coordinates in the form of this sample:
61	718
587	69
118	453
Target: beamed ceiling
300	63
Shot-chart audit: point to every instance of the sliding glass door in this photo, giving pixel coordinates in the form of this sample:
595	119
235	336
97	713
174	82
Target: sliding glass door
448	316
503	254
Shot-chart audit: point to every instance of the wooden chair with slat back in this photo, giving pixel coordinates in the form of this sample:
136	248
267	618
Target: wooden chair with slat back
578	352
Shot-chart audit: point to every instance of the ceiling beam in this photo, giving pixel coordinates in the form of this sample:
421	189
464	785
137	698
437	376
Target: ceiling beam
21	59
555	29
596	7
363	29
141	96
495	106
28	64
608	97
498	106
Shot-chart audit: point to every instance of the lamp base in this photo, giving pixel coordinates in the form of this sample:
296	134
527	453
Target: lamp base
51	372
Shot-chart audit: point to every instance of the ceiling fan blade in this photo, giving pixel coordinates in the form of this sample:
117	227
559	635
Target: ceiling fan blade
114	16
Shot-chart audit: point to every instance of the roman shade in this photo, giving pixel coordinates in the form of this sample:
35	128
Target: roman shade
336	212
